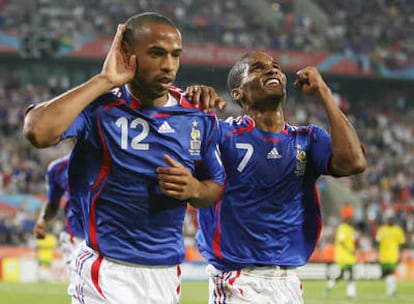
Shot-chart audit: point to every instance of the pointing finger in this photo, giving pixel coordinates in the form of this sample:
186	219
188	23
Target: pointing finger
172	162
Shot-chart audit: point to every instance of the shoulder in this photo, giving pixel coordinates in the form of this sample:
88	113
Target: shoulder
313	131
181	97
115	96
58	164
236	125
309	129
111	95
239	122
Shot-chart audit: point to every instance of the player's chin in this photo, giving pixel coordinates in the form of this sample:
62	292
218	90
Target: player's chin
276	94
276	90
163	87
159	91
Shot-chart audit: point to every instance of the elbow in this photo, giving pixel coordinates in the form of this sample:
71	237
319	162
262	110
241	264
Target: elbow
33	138
34	135
359	163
38	130
347	168
359	166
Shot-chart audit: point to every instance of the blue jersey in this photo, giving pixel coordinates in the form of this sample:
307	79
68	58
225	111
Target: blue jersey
270	211
57	187
113	179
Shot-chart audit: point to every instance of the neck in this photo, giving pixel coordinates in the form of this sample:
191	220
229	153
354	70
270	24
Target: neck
271	121
147	99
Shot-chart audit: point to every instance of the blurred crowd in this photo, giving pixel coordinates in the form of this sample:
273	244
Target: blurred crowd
382	29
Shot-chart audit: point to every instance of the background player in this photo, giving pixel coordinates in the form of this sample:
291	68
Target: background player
72	235
268	220
390	237
45	248
344	254
131	172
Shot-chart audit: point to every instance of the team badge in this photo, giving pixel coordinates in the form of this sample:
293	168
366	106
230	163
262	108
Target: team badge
195	142
300	161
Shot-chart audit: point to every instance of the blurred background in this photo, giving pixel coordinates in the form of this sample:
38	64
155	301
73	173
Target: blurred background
364	50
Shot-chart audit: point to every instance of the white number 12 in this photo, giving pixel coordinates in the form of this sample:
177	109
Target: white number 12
136	144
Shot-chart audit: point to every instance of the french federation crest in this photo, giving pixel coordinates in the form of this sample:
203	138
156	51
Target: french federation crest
195	142
300	161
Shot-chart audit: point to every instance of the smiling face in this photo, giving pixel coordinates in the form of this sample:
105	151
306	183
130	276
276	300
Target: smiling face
157	49
262	82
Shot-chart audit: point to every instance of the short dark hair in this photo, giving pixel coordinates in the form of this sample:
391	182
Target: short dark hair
135	23
235	75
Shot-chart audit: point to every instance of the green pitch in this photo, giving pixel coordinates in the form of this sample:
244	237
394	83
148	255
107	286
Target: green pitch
369	292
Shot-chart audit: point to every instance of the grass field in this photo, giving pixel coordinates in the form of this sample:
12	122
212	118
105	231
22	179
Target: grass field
369	292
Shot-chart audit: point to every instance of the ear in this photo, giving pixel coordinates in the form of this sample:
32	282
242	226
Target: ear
236	94
126	49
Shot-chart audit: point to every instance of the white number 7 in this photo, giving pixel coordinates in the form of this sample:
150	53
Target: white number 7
249	152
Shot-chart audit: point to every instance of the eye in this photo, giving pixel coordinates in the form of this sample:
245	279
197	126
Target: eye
256	67
176	54
278	67
157	52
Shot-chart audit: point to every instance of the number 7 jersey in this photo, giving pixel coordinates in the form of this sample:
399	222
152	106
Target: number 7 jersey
270	212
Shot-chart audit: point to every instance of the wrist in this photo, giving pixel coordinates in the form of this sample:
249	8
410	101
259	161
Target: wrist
104	81
195	195
325	92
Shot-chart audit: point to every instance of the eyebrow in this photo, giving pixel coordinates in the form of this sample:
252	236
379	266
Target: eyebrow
262	62
159	48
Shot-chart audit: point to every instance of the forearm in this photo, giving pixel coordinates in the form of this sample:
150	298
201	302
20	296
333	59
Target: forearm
45	123
347	154
205	194
49	211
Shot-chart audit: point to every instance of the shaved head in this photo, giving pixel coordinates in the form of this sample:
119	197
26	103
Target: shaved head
135	24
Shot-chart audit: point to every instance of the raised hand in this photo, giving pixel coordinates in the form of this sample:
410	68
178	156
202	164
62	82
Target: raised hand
119	66
310	81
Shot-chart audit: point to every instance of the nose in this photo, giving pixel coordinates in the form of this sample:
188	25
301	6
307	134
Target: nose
169	63
271	69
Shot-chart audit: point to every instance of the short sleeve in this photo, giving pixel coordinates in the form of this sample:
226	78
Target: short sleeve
78	128
321	150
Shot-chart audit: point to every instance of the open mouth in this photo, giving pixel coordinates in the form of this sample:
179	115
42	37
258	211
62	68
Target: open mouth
165	82
272	82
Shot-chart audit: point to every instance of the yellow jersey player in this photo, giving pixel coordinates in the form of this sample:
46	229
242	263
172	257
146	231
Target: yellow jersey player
390	237
45	254
344	256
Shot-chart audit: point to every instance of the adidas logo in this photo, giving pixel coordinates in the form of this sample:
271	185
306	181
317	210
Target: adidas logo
273	154
165	128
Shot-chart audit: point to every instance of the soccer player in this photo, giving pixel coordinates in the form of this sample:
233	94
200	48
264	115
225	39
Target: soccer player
131	172
72	235
390	237
45	254
344	254
268	221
